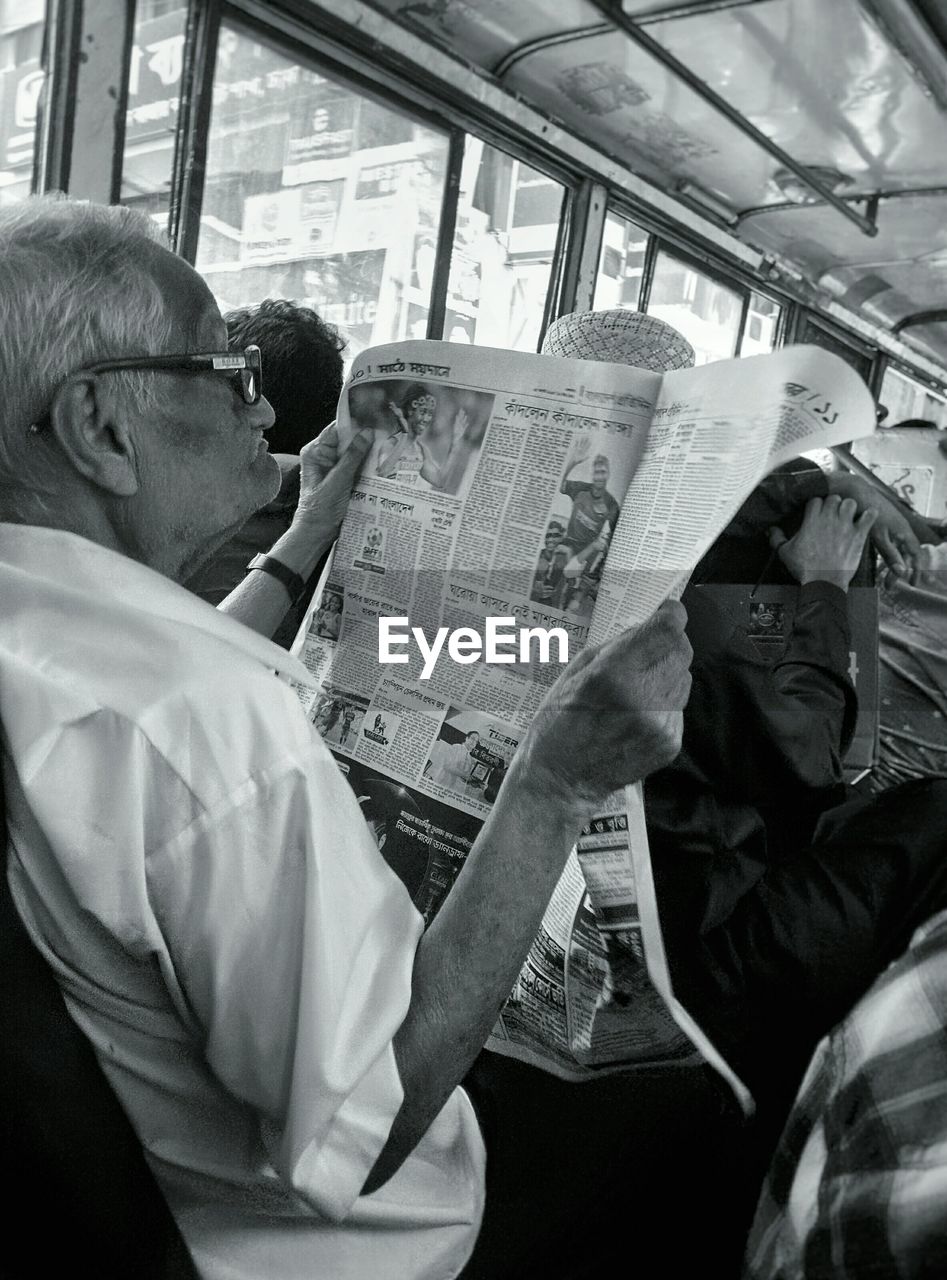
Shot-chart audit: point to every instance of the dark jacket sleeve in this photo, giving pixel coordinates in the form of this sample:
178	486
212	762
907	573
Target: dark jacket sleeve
759	730
774	498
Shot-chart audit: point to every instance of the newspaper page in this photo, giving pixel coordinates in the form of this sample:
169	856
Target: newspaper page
716	432
461	513
553	494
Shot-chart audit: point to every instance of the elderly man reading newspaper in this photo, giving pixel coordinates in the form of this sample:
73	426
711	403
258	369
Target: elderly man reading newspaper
183	849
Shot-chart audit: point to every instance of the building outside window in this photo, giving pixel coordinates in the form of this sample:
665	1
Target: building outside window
762	325
621	264
706	312
154	87
504	244
21	82
904	397
317	193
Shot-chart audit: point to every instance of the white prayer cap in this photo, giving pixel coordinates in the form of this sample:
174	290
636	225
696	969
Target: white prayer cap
619	337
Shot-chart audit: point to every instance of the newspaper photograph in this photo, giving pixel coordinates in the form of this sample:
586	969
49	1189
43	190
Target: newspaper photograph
512	508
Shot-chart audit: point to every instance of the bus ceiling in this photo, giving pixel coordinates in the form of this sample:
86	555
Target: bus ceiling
814	132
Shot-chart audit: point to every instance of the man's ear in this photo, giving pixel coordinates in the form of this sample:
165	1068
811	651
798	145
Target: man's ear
94	437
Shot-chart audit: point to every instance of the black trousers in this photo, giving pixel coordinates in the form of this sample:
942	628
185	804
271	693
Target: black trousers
579	1175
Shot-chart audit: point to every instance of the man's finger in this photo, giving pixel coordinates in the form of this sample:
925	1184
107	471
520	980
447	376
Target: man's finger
356	452
889	552
777	538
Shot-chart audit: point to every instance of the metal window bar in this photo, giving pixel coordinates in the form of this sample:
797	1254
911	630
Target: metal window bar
191	137
554	304
80	139
582	250
447	226
60	61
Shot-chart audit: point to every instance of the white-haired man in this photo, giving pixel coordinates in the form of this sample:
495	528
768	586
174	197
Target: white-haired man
184	850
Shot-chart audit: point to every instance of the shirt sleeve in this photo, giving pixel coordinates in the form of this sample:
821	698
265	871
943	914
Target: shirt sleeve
857	1184
572	488
293	944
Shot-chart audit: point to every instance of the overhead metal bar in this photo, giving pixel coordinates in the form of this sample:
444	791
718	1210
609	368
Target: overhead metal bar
916	318
668	12
864	197
569	36
612	11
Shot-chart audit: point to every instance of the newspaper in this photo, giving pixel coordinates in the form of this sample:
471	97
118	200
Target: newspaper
565	495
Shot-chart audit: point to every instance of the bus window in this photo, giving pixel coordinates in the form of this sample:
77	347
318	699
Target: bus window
810	330
154	87
706	312
21	42
904	397
621	265
317	193
507	222
762	325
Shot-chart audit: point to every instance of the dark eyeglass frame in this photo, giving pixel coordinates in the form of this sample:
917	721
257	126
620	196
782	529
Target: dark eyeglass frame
244	370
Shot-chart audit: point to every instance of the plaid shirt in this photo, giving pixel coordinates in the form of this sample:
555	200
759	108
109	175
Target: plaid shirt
858	1186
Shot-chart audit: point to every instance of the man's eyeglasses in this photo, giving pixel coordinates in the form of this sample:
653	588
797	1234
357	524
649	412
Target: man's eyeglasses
243	369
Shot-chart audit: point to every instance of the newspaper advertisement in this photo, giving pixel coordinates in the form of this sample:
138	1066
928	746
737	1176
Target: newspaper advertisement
512	508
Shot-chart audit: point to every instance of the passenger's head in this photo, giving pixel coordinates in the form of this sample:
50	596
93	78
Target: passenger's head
471	739
160	464
302	361
600	473
419	406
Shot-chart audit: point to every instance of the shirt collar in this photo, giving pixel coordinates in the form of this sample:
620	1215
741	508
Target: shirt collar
70	564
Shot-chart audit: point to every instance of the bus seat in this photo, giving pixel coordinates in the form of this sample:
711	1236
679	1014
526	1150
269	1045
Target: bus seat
80	1196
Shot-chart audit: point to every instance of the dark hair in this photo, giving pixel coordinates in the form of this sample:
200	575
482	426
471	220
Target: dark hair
302	367
416	391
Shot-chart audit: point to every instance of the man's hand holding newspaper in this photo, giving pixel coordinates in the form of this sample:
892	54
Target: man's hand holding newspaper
620	706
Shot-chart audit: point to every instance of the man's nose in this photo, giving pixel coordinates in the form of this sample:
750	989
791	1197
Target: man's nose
263	415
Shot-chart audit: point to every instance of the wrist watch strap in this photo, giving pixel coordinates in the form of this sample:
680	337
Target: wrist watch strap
294	583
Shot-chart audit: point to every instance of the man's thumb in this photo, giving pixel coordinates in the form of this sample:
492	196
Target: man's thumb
777	538
357	451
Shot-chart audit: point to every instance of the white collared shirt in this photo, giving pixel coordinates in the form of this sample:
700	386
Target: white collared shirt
191	862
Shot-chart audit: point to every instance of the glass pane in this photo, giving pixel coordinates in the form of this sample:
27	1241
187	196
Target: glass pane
21	43
507	222
318	194
762	323
154	85
812	331
904	398
705	312
618	283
